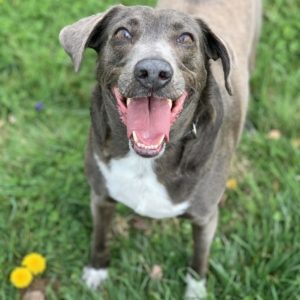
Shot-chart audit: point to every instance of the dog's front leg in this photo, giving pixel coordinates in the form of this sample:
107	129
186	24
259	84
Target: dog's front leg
203	237
102	212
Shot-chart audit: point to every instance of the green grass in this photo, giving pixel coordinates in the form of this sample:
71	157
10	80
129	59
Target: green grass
44	198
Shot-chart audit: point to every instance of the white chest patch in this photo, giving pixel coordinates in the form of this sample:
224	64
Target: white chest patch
132	181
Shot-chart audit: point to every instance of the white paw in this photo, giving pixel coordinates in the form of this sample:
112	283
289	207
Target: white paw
195	289
94	277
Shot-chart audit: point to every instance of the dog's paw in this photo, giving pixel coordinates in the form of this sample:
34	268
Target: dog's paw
94	277
195	289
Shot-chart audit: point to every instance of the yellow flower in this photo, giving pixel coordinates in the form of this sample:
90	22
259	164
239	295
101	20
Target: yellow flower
21	277
231	184
295	142
35	263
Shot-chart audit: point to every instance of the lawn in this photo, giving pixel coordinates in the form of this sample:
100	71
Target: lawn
44	197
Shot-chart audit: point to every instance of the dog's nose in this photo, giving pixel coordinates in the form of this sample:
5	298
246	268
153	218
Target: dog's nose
153	73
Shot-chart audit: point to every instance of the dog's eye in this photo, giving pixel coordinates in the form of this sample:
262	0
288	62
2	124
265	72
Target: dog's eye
122	34
185	39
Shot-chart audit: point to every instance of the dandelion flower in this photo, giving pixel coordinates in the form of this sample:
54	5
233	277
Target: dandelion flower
35	263
231	184
21	277
295	143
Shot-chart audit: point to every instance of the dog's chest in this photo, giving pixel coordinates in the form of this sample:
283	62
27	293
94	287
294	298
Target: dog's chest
133	182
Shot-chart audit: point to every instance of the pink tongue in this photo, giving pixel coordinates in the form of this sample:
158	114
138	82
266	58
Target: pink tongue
150	118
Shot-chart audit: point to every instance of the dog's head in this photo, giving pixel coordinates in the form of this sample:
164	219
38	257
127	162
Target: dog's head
152	64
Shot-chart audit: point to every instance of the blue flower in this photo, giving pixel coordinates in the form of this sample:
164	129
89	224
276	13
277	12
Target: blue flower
39	106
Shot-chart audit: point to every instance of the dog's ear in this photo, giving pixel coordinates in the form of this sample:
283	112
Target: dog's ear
76	37
214	48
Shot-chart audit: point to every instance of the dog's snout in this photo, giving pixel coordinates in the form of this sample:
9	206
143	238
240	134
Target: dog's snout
153	73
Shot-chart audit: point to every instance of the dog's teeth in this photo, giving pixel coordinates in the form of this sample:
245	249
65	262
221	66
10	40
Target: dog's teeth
128	101
143	146
149	147
135	138
161	140
170	102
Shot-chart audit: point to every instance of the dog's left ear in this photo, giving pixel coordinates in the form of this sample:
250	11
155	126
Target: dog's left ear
214	48
76	37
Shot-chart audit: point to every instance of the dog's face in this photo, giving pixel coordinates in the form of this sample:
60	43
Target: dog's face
152	65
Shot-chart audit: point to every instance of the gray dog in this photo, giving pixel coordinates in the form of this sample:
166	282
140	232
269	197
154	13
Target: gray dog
167	113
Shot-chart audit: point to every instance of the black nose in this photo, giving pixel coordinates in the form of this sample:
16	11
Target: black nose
153	73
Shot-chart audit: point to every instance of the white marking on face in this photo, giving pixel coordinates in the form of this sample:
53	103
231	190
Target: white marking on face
94	277
162	50
195	289
132	181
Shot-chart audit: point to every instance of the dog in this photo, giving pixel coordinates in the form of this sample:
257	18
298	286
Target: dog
166	114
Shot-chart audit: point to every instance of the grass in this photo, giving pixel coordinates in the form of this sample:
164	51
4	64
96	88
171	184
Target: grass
44	203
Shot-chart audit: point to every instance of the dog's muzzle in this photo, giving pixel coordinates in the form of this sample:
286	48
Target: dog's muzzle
148	120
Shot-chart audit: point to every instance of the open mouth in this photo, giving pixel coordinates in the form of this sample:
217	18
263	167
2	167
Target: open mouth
148	120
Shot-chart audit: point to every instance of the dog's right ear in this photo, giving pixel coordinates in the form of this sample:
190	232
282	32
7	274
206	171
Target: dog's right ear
214	49
76	37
